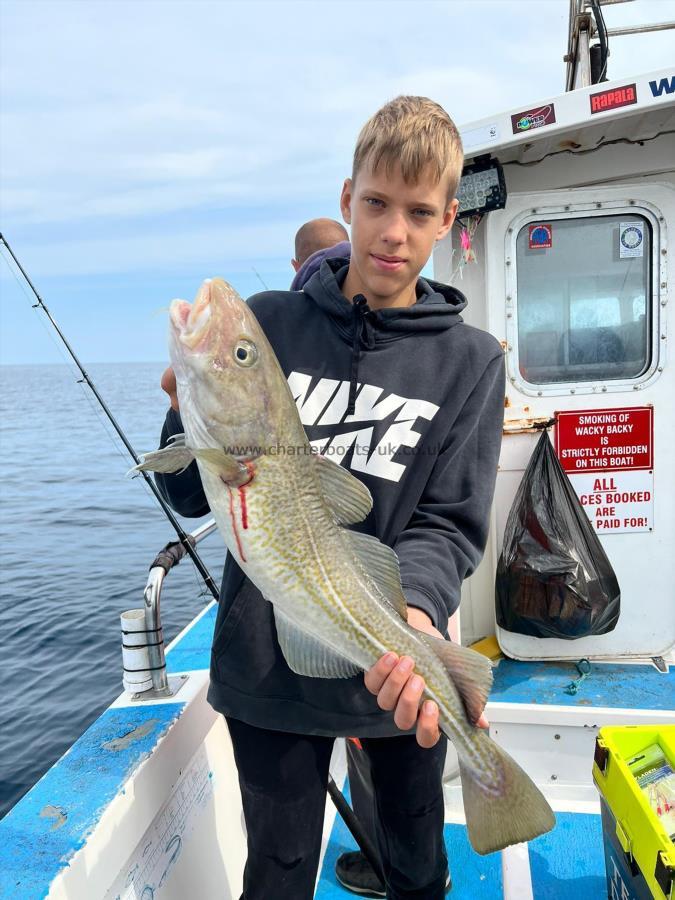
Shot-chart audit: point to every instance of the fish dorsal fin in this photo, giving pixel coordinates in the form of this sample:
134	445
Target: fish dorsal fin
381	564
348	498
471	672
307	656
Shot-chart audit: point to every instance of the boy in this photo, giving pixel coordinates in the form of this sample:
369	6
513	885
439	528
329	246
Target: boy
380	363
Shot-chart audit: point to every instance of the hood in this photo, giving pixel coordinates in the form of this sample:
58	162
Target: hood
437	307
313	263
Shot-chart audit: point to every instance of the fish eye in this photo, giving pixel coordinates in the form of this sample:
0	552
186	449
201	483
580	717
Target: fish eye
245	353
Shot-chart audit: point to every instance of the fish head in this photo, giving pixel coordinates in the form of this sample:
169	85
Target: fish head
231	390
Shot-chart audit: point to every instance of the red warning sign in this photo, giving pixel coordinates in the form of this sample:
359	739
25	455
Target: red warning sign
608	457
593	440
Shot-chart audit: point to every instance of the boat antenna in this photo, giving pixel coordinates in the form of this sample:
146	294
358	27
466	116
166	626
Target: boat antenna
183	537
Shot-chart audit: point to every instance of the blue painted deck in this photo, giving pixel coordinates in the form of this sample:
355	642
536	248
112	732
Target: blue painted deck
567	864
43	831
193	650
609	685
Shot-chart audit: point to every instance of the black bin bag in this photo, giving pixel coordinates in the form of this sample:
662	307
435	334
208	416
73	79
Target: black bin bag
553	578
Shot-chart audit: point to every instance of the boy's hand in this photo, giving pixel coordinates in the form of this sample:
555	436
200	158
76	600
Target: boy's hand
168	384
393	681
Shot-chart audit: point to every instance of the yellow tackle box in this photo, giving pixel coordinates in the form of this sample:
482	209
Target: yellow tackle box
631	770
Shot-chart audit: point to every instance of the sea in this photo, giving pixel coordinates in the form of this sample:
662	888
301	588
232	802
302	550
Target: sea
77	537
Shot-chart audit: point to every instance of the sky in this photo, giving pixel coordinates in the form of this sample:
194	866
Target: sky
147	145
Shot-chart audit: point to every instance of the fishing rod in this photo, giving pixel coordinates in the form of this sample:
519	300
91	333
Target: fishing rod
343	808
183	537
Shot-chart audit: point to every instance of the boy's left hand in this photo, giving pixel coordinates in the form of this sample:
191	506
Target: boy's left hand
397	688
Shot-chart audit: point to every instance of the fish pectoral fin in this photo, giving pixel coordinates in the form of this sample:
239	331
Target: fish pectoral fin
174	457
347	497
471	672
177	456
381	565
307	656
229	468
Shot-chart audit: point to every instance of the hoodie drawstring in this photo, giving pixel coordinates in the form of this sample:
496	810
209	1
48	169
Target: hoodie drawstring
360	305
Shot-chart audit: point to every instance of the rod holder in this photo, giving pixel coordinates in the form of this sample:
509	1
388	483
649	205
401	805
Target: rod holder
143	657
137	676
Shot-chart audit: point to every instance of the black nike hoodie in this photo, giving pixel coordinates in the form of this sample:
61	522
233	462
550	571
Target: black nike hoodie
411	400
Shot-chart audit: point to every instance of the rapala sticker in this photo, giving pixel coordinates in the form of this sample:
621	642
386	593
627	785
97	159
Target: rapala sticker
533	118
613	98
541	237
631	240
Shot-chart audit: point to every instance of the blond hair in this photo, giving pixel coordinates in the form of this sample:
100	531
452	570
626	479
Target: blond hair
418	135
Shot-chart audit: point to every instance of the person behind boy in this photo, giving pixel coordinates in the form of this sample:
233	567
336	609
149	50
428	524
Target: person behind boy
312	242
380	364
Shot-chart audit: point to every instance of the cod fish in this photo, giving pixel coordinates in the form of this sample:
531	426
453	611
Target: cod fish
336	593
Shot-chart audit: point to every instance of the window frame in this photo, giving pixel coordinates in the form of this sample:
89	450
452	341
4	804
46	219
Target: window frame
585	210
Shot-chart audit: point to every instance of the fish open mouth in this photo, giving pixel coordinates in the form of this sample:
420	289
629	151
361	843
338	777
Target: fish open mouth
191	321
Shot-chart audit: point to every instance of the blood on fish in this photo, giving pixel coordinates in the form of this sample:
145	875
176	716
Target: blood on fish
242	505
244	512
242	494
234	525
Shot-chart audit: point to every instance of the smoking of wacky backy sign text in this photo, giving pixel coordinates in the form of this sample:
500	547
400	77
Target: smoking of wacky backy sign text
608	456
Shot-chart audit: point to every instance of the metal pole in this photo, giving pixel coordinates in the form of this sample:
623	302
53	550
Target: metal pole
152	596
182	535
583	71
640	29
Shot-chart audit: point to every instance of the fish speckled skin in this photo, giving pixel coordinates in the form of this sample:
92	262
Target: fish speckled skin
303	563
336	594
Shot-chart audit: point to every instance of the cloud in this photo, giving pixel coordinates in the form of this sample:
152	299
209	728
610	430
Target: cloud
145	109
162	137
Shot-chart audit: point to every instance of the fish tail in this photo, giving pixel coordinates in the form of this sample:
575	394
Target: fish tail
507	808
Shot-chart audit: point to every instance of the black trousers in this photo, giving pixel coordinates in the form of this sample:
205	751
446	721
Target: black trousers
283	780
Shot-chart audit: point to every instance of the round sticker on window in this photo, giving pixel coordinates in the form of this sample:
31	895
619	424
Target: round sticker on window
631	239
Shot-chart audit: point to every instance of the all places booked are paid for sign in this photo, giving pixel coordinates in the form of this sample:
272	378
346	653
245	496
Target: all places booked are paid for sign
608	456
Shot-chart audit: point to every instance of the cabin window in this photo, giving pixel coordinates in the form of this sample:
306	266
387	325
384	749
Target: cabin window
584	298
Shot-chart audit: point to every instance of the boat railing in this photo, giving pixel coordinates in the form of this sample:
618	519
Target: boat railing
587	64
149	680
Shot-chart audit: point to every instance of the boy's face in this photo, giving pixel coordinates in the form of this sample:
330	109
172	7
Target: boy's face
394	226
